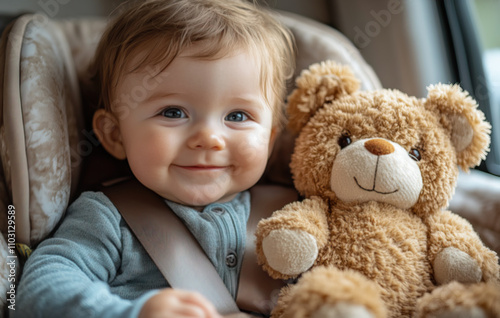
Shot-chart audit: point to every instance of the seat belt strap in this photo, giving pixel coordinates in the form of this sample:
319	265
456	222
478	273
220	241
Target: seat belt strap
257	291
169	243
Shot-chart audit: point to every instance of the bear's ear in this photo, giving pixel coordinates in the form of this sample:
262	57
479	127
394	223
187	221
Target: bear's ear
322	82
458	114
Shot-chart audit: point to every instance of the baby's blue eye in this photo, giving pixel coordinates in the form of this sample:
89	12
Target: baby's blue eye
173	112
236	116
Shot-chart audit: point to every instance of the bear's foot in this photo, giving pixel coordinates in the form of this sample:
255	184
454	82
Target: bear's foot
327	292
458	300
342	310
459	312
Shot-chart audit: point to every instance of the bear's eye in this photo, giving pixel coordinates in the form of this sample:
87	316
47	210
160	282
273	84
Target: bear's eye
415	154
344	140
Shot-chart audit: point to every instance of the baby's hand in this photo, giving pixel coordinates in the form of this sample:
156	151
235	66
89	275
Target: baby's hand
172	303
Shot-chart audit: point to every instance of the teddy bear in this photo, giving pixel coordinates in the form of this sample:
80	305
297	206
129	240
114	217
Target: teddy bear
372	236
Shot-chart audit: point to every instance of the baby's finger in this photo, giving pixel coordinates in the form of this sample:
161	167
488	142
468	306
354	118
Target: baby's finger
199	300
189	310
238	315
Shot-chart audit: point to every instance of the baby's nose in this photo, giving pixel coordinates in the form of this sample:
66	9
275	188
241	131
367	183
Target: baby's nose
207	138
379	147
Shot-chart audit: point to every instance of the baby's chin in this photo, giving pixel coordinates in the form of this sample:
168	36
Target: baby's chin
198	200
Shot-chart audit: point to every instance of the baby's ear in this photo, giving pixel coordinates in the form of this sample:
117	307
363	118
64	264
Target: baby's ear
458	114
106	127
321	83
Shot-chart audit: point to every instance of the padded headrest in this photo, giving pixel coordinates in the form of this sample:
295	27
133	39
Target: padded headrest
42	132
40	126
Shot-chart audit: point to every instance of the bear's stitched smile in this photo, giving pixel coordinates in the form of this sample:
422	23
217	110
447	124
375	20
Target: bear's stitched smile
374	182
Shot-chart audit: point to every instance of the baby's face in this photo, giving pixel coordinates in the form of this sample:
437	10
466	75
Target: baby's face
198	132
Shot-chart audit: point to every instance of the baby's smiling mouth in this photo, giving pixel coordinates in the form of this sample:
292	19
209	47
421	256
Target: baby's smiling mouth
201	167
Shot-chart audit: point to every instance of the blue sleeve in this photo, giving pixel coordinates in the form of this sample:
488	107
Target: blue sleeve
68	274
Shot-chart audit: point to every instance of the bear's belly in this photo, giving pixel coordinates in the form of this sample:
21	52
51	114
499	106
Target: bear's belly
387	245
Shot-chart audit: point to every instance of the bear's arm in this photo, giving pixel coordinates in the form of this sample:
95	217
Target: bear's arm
294	235
449	236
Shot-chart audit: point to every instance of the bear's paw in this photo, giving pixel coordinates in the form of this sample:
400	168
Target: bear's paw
290	252
453	264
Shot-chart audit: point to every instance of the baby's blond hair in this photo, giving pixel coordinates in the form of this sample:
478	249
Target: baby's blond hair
167	27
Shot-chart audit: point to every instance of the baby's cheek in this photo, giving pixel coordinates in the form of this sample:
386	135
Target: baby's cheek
252	145
148	157
252	152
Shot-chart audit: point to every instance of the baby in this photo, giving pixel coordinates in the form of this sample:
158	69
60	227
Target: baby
191	95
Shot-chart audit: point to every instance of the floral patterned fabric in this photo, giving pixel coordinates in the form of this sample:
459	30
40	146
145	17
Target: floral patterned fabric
51	122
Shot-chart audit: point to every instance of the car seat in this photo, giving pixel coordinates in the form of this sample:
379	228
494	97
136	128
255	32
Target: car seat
48	151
